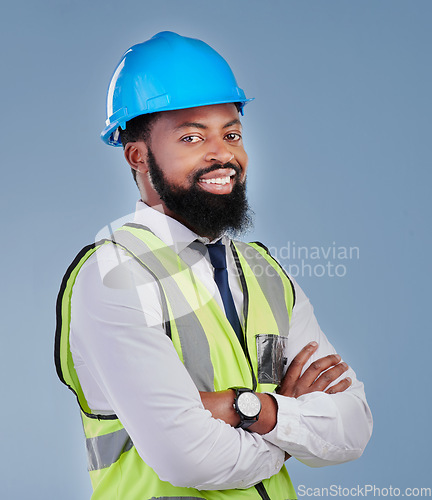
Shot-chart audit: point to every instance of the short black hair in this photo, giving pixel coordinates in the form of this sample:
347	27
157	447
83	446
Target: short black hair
138	129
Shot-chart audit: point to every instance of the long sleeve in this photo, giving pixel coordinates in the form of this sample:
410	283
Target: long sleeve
318	428
128	366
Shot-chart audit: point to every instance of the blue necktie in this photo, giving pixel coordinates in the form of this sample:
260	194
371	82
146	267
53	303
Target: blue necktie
218	260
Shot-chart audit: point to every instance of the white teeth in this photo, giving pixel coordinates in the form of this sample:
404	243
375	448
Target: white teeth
218	180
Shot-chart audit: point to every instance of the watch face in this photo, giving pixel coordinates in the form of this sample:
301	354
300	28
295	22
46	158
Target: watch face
249	404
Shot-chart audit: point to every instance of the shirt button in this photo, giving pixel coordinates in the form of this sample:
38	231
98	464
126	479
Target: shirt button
278	465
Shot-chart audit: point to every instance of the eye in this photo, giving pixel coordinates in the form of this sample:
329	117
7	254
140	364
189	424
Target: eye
233	137
190	139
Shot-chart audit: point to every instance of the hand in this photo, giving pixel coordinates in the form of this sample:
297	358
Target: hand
320	374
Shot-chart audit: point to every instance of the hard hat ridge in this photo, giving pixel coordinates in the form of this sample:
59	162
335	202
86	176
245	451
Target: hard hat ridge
167	72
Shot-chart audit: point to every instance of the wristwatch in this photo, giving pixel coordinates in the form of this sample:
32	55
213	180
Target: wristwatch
248	405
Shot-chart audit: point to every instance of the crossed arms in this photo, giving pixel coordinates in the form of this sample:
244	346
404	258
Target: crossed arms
128	366
317	377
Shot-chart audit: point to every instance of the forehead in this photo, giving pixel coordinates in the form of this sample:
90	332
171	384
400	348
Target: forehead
213	116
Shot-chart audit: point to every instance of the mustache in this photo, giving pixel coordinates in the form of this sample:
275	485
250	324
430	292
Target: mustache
216	166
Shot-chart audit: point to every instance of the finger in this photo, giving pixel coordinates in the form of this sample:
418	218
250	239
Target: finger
340	386
296	366
319	366
329	376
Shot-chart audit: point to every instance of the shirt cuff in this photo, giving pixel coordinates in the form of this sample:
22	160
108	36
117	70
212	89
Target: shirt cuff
287	428
308	445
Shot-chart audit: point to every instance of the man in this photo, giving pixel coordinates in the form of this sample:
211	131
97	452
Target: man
198	364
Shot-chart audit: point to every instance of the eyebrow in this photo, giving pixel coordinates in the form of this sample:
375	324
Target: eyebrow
233	122
204	127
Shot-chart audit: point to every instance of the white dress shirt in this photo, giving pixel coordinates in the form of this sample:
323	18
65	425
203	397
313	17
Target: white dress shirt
128	366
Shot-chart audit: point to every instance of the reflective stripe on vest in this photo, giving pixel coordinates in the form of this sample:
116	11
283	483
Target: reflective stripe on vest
194	343
103	451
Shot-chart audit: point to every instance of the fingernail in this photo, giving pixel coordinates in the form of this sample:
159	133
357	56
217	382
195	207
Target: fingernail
313	344
338	357
344	365
349	380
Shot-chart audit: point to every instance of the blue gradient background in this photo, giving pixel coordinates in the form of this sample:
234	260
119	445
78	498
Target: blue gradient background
339	139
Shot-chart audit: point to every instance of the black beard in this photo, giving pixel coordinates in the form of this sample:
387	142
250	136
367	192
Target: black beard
208	214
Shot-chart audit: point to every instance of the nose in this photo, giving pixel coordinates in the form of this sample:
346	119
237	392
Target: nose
218	151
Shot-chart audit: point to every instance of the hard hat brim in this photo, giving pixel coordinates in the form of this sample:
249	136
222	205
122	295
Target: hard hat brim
109	137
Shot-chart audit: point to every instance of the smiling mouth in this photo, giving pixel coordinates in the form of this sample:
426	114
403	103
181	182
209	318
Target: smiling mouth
218	181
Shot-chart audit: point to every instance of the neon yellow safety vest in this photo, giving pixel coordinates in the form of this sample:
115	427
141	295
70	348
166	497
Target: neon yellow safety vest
206	344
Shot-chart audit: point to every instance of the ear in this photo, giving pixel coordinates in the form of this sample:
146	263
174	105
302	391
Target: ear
136	155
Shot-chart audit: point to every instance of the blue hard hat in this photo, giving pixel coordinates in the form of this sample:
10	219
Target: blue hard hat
167	72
